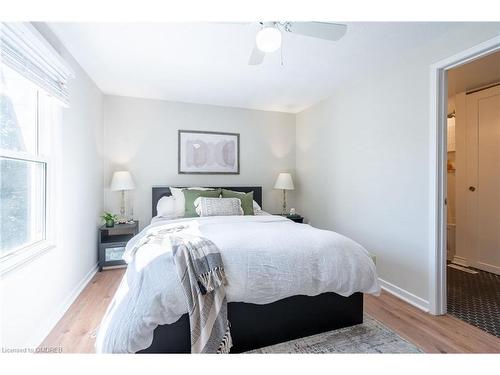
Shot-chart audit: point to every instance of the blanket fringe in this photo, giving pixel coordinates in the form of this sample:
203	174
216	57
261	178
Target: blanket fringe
227	342
212	279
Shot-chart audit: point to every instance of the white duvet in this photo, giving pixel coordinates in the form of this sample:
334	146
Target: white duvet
266	258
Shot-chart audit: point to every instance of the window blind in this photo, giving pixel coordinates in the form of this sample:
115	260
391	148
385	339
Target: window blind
25	50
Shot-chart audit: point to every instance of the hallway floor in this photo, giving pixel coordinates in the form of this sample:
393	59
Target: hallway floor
475	298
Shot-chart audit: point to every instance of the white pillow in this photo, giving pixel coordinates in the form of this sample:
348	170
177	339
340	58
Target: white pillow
218	206
180	202
256	206
166	207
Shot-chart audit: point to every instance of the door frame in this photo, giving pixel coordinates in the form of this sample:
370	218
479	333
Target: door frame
437	168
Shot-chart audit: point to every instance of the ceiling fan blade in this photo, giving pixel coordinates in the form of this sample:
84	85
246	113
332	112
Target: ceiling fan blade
242	23
322	30
257	56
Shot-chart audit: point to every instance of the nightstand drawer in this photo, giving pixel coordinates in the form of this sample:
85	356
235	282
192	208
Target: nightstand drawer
113	253
112	242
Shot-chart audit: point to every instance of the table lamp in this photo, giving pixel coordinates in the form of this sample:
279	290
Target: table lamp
284	182
122	181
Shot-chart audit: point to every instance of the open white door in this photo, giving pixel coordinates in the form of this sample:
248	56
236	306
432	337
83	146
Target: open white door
481	245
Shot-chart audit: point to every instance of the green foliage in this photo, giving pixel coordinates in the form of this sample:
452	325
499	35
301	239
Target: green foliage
107	216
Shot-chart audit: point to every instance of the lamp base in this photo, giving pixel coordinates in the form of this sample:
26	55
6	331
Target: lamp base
121	218
283	210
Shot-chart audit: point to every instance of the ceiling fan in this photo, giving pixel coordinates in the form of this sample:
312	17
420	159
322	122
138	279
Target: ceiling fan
268	39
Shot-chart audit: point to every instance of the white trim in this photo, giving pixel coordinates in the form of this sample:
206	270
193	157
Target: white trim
487	267
47	120
23	256
437	181
46	326
479	265
437	168
461	261
406	296
49	123
464	269
23	156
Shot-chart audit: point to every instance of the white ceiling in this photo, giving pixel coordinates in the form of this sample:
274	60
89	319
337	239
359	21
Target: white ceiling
207	62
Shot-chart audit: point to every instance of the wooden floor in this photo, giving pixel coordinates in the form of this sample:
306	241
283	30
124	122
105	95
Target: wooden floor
75	332
433	334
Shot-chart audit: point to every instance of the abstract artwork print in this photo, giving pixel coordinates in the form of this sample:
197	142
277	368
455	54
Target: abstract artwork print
202	152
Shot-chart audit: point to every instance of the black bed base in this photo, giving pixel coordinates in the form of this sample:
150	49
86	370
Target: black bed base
255	326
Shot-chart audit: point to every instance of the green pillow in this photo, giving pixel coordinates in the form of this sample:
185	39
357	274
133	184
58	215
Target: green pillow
246	200
191	195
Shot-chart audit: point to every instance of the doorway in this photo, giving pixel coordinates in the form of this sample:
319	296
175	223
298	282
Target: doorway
438	169
473	193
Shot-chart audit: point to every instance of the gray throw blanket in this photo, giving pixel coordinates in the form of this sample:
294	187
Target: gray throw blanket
201	273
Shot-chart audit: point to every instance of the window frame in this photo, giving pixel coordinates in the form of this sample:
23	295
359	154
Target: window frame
45	125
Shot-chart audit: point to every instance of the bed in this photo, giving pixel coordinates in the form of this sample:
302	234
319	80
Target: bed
285	281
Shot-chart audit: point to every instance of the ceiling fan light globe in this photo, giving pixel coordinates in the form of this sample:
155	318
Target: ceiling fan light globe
268	39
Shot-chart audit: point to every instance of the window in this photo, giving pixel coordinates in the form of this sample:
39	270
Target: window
33	78
24	163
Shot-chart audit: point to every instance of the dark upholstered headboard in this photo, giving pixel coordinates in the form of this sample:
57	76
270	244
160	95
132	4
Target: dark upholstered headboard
164	191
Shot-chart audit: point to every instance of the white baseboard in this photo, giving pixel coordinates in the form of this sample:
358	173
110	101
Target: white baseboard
487	267
46	326
461	261
406	296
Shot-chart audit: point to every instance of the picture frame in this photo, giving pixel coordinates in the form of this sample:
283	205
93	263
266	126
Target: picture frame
207	152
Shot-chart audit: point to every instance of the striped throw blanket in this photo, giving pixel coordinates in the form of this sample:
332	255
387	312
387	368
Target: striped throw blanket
201	273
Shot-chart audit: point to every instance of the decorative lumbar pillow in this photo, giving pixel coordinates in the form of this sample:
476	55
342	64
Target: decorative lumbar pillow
199	188
218	206
191	195
246	200
166	207
180	203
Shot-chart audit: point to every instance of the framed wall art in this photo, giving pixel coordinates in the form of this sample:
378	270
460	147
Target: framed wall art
204	152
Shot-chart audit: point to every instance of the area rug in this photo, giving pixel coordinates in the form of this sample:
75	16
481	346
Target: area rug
369	337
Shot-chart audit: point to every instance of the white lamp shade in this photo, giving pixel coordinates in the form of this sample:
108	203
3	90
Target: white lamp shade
284	182
122	180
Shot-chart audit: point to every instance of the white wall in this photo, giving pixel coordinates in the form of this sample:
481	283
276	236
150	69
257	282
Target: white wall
141	136
36	294
362	161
